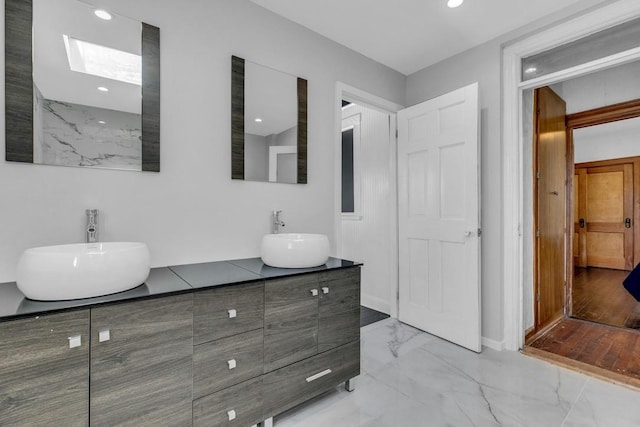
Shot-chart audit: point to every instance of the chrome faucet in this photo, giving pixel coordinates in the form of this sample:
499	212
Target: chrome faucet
92	225
276	223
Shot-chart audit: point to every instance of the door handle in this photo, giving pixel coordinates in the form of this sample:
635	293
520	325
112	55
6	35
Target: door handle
627	222
581	222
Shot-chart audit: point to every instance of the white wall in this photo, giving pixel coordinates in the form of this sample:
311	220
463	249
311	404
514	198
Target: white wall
256	157
606	87
608	141
192	211
482	65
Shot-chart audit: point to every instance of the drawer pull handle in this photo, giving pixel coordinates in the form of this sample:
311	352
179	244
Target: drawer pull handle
75	341
232	363
232	313
318	375
325	290
104	335
231	414
314	292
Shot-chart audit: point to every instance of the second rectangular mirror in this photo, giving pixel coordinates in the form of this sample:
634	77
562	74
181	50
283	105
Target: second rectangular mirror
269	124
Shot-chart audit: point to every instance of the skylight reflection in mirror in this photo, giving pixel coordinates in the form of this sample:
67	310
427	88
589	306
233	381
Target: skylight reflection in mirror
102	61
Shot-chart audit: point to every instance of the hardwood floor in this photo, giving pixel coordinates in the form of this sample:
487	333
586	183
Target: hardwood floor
606	351
598	296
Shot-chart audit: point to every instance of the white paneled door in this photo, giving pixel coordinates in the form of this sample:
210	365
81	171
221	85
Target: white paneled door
439	241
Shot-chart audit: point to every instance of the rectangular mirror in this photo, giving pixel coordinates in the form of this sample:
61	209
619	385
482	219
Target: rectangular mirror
88	95
269	124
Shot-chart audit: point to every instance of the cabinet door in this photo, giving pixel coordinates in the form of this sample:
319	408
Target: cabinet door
44	370
290	320
339	318
141	373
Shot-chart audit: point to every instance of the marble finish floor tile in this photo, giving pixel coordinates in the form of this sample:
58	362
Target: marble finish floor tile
410	378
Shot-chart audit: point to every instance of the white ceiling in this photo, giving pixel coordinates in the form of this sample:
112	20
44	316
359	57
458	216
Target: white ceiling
270	95
51	72
408	35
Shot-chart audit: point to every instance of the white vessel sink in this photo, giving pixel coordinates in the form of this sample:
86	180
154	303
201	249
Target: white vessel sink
294	250
83	270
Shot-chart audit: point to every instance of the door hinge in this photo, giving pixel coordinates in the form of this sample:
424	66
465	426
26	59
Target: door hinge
479	232
538	233
538	297
537	175
396	133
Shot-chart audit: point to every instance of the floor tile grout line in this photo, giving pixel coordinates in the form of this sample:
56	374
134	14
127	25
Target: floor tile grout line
575	402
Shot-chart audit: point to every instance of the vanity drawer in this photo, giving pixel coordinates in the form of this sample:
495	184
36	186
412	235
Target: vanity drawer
227	361
227	311
244	401
294	384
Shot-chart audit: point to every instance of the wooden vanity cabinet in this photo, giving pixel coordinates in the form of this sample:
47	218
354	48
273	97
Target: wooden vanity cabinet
44	370
141	363
230	355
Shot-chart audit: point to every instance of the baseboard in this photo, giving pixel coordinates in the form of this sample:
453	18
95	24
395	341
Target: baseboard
375	304
492	344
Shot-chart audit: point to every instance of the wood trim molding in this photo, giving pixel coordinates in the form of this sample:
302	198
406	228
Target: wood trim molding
150	98
18	81
602	115
302	131
610	162
237	118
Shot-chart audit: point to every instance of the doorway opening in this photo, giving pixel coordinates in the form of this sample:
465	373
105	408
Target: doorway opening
586	198
365	196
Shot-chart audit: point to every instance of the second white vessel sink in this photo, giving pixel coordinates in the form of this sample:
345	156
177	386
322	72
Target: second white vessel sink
84	270
294	250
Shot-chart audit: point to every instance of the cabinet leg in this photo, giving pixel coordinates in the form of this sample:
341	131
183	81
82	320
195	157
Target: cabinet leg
267	423
348	385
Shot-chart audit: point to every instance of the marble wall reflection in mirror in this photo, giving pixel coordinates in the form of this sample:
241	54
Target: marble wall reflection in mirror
269	124
94	87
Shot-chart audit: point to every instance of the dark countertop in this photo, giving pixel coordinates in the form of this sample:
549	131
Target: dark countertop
162	281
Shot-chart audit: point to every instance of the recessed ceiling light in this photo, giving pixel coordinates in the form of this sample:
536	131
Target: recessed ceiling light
103	89
258	120
454	3
102	14
102	122
531	70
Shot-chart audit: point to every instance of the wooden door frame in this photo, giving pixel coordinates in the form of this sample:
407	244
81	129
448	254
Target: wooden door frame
598	116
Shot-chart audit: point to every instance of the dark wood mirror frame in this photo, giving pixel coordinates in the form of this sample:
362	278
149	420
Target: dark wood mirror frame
237	122
19	87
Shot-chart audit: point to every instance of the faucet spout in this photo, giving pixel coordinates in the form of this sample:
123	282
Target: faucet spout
276	223
92	225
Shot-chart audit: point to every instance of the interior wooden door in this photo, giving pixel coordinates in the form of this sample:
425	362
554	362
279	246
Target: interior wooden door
550	201
438	212
605	216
